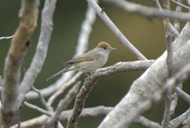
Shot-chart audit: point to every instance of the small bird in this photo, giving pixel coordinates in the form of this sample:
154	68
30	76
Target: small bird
89	61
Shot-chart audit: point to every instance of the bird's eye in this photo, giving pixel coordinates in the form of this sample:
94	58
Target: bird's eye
105	48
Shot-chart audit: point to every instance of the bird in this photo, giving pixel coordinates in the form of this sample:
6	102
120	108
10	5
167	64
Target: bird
89	61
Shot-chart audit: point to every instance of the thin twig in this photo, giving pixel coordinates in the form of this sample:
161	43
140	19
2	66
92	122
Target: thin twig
37	109
179	4
87	112
146	123
63	105
176	122
182	94
172	28
174	102
115	30
44	103
56	94
6	37
177	22
18	117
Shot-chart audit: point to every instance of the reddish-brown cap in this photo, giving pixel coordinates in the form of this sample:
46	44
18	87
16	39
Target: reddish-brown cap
103	45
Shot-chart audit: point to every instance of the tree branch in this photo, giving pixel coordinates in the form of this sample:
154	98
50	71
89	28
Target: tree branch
180	119
102	72
149	104
42	47
18	48
151	80
172	28
63	105
52	98
6	37
146	123
115	30
82	44
38	109
169	62
149	11
175	95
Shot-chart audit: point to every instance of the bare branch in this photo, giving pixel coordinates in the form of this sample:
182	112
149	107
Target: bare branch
186	123
47	106
63	105
182	94
146	123
115	30
37	109
52	98
175	95
149	104
87	112
82	44
102	72
151	80
172	28
169	62
177	22
18	48
181	5
149	11
179	120
42	47
6	37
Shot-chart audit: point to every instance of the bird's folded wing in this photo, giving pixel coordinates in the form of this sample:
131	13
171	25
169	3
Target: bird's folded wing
82	58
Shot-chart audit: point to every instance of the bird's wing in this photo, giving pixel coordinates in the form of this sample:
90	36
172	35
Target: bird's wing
82	58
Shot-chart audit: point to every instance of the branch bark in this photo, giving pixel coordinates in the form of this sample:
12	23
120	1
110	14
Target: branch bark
18	48
102	72
115	30
152	80
149	11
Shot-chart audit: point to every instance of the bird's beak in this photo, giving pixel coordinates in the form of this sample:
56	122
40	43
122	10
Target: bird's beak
113	48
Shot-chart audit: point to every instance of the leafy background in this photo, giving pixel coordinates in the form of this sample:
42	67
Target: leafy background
147	34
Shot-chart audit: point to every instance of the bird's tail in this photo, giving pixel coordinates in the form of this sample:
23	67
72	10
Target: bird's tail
58	73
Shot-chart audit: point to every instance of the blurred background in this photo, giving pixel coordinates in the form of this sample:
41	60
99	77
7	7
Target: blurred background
146	34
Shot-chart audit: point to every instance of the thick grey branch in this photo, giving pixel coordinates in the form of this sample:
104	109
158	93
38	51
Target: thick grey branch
150	103
151	81
12	70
